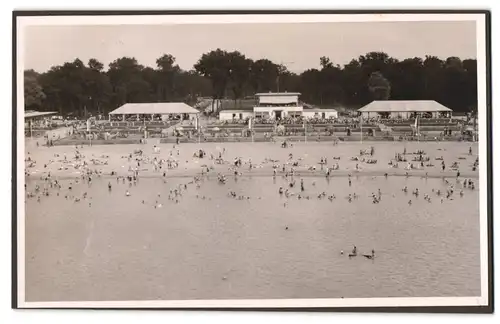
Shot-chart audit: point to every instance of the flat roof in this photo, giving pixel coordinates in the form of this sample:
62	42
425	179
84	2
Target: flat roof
404	106
158	108
275	94
33	114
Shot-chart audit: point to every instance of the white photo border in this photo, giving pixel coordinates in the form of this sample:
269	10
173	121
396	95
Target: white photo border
482	19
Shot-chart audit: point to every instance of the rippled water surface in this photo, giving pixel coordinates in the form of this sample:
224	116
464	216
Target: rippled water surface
119	248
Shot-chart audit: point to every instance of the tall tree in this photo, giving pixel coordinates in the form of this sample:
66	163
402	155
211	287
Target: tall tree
263	75
95	65
97	86
407	79
33	92
239	72
127	80
470	91
309	88
215	66
168	72
354	86
325	62
379	86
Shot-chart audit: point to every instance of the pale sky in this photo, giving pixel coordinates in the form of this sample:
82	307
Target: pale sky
299	46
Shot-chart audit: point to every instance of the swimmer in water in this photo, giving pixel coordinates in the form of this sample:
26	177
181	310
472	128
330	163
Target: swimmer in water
354	251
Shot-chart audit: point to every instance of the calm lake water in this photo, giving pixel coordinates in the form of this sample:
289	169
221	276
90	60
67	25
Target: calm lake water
224	248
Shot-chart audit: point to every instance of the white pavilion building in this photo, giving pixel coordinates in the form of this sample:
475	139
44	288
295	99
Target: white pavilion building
276	105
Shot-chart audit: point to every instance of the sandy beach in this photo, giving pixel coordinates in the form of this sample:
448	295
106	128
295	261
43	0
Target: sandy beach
107	159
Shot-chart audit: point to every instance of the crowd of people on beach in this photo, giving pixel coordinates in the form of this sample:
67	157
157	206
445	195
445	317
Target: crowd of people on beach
287	175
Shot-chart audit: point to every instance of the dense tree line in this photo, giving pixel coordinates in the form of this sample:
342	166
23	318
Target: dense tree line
78	88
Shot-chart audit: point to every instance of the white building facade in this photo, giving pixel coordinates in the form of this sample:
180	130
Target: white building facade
278	105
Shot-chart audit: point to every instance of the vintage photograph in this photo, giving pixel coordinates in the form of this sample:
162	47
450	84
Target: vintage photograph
271	160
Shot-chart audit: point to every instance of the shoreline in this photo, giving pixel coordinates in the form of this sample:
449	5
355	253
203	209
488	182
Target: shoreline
174	174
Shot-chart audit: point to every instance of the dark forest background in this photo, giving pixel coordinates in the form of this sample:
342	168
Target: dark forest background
77	88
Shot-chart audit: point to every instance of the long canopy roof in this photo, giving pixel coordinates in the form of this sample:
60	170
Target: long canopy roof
404	106
34	114
157	108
